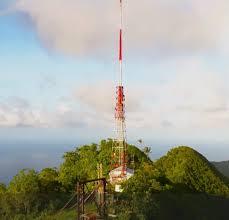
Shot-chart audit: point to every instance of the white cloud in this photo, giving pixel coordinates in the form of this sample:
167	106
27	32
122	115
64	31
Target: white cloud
81	27
14	112
194	101
101	97
196	98
17	112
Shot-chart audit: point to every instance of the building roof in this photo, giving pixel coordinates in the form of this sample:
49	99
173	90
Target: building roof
119	169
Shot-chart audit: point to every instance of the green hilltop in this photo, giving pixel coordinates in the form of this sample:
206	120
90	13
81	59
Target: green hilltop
186	167
177	186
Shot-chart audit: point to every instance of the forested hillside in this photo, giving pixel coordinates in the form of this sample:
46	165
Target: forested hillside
186	167
177	186
223	167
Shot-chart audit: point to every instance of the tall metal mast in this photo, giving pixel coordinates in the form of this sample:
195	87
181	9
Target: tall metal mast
120	44
120	149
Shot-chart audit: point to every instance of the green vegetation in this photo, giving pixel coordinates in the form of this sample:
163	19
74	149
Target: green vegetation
188	168
81	164
31	194
180	185
65	215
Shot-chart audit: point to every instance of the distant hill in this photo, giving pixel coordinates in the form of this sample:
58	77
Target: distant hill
223	167
187	167
181	185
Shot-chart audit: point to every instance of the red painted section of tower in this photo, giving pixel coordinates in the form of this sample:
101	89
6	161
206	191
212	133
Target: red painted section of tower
119	108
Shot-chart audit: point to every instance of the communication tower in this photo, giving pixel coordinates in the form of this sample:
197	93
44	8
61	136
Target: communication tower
120	171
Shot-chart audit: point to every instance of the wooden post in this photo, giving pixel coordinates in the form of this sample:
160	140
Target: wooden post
103	205
100	199
83	197
78	201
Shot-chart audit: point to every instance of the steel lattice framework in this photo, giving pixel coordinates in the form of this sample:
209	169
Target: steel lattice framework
119	151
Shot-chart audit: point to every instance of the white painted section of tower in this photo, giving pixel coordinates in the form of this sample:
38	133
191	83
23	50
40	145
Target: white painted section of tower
116	177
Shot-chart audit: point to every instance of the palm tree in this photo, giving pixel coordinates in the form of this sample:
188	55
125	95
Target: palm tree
147	150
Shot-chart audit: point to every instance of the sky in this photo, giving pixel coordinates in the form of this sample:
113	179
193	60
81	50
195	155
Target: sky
58	69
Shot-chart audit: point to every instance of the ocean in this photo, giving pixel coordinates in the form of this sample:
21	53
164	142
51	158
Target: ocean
15	156
18	155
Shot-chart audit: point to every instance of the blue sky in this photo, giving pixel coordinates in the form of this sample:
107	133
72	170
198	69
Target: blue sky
58	70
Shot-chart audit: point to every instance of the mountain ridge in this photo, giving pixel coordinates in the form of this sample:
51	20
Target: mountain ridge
223	167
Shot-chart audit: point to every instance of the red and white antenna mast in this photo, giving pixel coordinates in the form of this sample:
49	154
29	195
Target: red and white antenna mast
119	153
120	44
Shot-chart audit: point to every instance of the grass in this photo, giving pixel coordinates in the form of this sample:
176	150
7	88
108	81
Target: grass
65	215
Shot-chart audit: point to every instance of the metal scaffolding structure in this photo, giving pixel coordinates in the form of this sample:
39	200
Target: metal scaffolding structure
96	195
119	150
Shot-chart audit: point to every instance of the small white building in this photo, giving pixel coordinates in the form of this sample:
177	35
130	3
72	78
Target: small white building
116	177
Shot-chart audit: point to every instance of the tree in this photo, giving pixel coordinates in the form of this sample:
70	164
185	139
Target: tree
2	188
24	189
185	166
48	178
137	155
104	155
79	164
139	190
177	186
